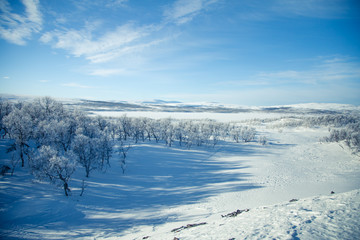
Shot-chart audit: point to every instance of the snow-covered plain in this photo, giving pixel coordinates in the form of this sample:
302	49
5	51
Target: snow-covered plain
165	188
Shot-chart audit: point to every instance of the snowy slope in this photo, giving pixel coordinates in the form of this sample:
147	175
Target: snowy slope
165	188
322	217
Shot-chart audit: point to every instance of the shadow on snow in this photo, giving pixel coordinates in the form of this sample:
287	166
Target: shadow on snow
157	178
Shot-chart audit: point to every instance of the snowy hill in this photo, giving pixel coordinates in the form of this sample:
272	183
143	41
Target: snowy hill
165	185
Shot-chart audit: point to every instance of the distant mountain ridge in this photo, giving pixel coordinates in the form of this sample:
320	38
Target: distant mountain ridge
158	105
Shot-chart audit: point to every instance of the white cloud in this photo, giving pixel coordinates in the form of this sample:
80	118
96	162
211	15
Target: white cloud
122	40
183	11
85	4
75	85
109	55
17	28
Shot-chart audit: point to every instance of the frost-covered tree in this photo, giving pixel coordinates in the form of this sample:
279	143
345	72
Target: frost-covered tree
215	134
58	134
5	109
101	123
179	132
155	130
137	129
123	150
105	147
52	165
125	125
86	150
147	128
167	131
19	125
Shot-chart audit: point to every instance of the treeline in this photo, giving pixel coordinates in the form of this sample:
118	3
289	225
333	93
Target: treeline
54	140
350	135
342	127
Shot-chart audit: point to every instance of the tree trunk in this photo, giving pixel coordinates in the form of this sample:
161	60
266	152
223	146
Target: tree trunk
66	189
22	156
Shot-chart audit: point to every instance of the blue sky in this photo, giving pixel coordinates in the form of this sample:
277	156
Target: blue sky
259	52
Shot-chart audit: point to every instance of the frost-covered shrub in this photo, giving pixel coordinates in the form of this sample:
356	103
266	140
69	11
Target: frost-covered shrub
262	140
334	120
354	141
350	134
248	134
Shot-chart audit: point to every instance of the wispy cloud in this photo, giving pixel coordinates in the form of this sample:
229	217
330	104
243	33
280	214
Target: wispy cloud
118	52
85	4
310	8
183	11
99	47
324	70
329	69
17	28
75	85
124	39
107	72
270	9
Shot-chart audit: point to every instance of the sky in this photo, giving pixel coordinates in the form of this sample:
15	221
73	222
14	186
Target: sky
245	52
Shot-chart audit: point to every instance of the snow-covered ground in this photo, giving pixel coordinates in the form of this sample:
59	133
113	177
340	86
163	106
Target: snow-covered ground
320	217
166	188
222	117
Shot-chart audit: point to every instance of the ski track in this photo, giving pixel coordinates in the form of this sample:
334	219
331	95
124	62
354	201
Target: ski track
166	188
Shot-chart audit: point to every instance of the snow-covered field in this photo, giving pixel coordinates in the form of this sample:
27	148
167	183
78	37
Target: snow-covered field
166	188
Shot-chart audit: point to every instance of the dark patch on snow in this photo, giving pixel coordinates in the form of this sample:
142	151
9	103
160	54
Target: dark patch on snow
188	226
235	213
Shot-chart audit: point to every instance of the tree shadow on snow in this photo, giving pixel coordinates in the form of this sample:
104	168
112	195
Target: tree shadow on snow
160	177
157	178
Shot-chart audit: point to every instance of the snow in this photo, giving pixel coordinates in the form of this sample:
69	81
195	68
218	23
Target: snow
321	217
165	188
221	117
